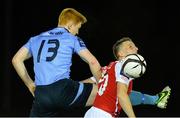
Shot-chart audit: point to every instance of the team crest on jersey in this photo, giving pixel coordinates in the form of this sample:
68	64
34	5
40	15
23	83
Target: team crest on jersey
81	42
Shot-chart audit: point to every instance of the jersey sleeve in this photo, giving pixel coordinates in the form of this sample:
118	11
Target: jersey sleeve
79	45
27	45
119	76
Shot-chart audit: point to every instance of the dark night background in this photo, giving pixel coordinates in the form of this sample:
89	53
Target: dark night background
151	24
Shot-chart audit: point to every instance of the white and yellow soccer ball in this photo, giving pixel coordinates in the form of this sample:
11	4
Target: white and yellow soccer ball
134	66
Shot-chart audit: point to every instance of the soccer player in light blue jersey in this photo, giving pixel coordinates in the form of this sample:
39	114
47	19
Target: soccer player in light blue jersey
52	53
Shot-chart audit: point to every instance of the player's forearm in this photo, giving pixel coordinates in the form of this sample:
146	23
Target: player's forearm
22	72
95	69
126	104
92	62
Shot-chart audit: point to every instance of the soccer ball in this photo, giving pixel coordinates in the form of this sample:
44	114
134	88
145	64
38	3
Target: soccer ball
134	66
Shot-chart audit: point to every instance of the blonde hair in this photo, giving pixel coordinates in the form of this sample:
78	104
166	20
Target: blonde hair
71	15
118	44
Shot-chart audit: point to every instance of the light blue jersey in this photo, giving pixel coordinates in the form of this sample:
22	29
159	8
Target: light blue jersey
52	54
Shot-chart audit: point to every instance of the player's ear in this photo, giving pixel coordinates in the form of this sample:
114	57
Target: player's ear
69	25
120	54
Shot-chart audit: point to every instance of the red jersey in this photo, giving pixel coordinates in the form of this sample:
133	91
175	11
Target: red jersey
106	98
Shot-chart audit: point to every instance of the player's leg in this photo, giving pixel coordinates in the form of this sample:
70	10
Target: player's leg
160	99
92	96
138	98
85	95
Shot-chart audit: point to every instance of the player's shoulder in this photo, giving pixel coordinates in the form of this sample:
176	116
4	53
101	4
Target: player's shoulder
33	38
81	42
117	63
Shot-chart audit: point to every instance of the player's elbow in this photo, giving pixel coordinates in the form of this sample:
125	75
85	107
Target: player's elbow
16	59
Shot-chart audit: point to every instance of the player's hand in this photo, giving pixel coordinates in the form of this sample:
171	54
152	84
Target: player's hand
32	88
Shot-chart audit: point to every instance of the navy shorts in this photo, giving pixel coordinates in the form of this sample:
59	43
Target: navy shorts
63	94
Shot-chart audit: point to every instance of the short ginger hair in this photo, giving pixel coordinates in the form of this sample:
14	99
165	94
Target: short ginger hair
71	15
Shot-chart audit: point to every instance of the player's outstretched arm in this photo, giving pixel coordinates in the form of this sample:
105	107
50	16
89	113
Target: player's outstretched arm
18	63
92	62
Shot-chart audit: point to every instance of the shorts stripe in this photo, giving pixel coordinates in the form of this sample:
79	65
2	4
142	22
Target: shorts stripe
81	87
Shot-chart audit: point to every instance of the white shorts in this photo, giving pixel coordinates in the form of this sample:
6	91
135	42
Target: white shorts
94	112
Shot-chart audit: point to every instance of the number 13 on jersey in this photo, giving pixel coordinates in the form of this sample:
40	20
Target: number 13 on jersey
53	49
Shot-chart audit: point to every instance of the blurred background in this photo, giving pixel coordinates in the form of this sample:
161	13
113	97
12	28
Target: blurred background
151	24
